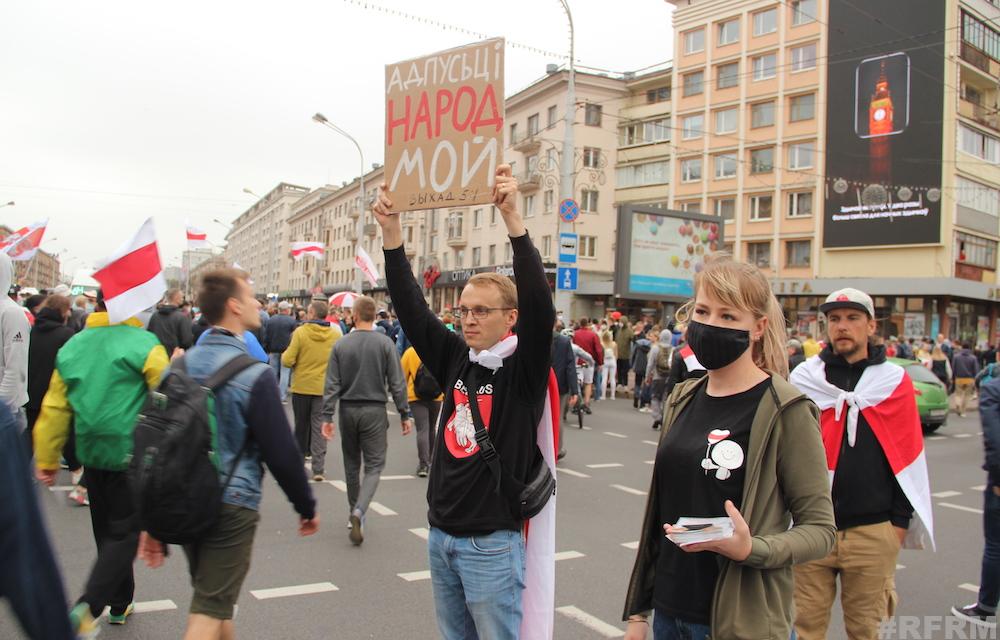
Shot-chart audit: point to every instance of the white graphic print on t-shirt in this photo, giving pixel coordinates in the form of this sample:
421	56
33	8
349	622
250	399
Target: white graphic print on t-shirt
722	455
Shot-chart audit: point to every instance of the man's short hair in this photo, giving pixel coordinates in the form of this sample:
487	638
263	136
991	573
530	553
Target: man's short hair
284	305
364	309
217	287
59	304
503	284
584	323
81	302
319	308
171	294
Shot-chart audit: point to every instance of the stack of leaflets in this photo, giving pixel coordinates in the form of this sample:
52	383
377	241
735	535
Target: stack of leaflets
692	530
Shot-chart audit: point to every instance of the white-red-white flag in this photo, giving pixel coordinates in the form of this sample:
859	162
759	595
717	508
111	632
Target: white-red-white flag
23	244
302	249
364	262
196	238
132	277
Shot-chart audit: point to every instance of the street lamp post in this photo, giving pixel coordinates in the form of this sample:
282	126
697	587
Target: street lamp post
7	204
359	227
563	298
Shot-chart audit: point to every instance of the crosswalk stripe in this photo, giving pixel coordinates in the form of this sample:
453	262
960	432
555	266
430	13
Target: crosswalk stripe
615	435
974	588
634	492
421	532
415	576
340	485
67	487
381	509
631	545
946	494
962	435
570	472
979	487
651	442
605	465
589	621
568	555
297	590
650	461
960	507
150	606
936	438
404	477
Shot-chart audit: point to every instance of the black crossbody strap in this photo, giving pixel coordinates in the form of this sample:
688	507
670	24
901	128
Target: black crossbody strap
486	449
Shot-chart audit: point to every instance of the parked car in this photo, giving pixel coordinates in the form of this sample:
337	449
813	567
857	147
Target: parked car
932	397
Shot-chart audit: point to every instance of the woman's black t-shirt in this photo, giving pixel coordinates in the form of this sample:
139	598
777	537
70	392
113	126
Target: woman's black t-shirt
700	464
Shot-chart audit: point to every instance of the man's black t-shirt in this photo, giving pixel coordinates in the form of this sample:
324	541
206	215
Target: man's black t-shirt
700	464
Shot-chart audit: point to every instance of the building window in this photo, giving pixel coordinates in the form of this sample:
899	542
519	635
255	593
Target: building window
532	124
765	66
762	160
529	206
727	75
972	249
592	115
507	252
803	12
513	133
802	107
692	126
639	175
725	208
798	253
760	208
444	261
434	244
976	33
978	144
762	114
477	219
550	119
549	201
588	200
759	254
725	120
691	170
804	57
729	32
976	196
493	254
800	204
644	132
546	246
493	216
765	22
659	94
725	165
477	256
800	156
588	247
692	206
694	41
694	83
591	157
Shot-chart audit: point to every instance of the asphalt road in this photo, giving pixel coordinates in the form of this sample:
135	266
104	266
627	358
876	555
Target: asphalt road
323	587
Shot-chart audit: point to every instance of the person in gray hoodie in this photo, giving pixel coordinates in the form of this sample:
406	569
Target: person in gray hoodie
657	372
14	336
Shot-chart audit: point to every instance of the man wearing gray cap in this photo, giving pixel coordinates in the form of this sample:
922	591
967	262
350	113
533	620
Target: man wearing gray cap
874	449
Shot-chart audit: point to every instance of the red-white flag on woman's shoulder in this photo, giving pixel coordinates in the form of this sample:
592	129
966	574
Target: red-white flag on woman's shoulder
302	249
132	277
23	244
196	238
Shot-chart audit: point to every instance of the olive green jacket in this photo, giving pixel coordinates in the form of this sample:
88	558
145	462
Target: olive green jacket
786	481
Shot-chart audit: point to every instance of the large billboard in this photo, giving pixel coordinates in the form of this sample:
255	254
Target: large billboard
660	250
883	124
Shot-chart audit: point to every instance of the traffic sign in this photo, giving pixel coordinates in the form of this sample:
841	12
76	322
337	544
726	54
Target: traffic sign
569	210
566	278
567	248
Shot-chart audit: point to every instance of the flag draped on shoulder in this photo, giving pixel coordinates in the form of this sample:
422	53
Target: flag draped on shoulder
23	244
132	277
884	396
302	249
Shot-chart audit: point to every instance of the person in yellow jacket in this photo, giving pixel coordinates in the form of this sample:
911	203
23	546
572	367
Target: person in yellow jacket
307	356
425	410
810	347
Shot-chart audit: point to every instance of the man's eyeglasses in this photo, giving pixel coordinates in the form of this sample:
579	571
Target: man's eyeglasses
479	313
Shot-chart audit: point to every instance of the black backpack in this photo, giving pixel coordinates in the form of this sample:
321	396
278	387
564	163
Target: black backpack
174	470
424	384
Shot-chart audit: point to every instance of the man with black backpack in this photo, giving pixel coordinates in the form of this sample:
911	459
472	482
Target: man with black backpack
251	430
425	396
101	380
657	372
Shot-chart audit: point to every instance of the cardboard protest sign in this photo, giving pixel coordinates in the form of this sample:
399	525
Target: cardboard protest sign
444	118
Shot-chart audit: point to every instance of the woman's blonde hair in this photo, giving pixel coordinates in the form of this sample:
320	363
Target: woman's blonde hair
742	286
607	339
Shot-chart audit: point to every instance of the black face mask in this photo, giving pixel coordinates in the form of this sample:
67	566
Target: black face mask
717	347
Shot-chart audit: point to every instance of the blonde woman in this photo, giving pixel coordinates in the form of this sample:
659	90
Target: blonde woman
740	442
609	371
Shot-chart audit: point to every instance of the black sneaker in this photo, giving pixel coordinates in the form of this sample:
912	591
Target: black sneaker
656	425
422	471
973	614
561	455
586	409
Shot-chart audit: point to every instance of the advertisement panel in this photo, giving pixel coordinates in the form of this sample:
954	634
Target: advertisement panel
884	117
660	250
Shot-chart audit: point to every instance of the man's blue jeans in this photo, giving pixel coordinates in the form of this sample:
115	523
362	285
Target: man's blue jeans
667	628
281	372
989	580
477	584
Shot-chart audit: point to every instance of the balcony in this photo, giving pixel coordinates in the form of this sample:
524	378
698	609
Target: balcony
986	116
370	229
354	211
529	142
352	233
980	60
457	240
529	181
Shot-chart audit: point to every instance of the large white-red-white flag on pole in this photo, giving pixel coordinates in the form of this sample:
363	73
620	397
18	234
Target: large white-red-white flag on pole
364	262
23	244
302	249
196	238
132	277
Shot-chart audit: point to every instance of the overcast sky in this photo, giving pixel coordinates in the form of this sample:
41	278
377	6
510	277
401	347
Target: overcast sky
113	111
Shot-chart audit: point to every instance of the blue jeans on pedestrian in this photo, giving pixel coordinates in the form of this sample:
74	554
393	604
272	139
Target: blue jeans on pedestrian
477	581
989	580
281	372
667	628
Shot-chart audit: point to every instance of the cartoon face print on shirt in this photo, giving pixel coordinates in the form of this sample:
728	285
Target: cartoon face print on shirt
722	455
460	430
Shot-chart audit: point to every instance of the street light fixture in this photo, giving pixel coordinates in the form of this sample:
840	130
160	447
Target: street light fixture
321	119
563	298
7	204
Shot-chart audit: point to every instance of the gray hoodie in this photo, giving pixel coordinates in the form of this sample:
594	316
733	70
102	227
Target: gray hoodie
665	338
14	335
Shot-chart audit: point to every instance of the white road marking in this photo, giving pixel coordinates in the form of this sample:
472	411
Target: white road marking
568	555
570	472
586	428
655	444
415	576
391	412
960	507
649	461
421	532
937	438
589	621
980	487
338	484
149	607
900	566
974	588
631	545
605	465
946	494
615	435
68	487
297	590
381	509
634	492
962	435
398	477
